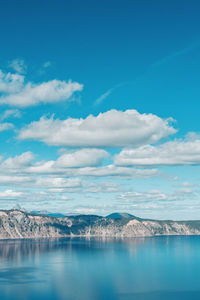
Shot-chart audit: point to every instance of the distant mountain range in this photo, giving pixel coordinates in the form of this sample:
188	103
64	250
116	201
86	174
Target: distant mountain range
59	215
120	216
17	224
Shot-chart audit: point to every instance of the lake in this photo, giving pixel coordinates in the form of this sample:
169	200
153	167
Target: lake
100	269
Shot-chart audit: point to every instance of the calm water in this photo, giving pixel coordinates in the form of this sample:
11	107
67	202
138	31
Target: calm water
69	269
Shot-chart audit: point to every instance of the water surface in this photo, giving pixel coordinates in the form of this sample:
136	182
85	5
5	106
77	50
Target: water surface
97	269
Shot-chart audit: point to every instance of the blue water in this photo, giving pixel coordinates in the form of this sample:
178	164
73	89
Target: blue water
96	269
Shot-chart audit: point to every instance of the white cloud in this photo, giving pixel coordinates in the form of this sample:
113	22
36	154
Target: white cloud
50	167
149	196
57	182
112	170
11	83
10	194
185	184
14	180
64	197
103	96
102	187
14	91
158	196
23	164
17	162
110	129
14	113
106	94
47	92
45	66
6	126
85	211
179	152
81	158
18	65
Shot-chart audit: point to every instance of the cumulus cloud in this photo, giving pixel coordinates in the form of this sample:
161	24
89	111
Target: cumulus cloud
79	171
19	171
17	162
179	152
47	92
49	167
70	163
81	158
52	167
14	180
110	129
23	164
14	91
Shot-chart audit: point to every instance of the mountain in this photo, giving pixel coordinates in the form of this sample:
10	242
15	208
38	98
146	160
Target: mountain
46	213
120	216
16	224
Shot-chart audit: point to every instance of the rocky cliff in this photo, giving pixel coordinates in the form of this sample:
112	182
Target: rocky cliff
15	224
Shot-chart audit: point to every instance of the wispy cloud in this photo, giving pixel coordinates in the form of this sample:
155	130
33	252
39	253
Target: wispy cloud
162	61
47	64
14	113
6	126
103	96
10	194
175	54
18	65
106	94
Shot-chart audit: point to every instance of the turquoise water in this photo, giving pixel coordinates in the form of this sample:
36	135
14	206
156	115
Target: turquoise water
96	269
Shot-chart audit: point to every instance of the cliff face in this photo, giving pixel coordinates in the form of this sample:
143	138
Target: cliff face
17	224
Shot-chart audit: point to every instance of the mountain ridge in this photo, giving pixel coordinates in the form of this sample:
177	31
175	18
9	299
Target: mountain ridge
18	224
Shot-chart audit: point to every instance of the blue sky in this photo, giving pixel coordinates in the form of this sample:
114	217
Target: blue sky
99	107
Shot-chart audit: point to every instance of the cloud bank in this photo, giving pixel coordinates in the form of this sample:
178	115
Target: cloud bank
179	152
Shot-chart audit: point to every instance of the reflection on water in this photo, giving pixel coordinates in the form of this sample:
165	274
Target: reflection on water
100	269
